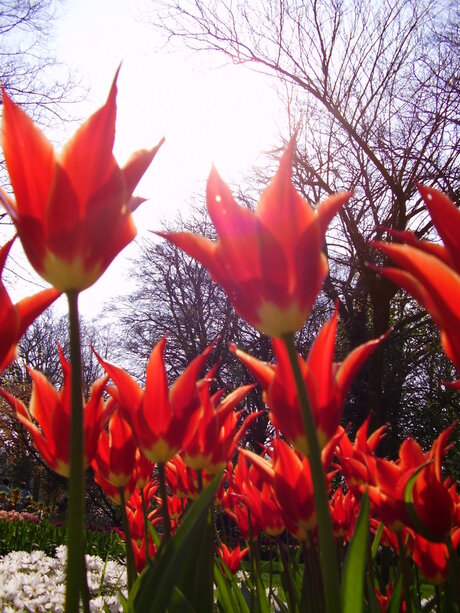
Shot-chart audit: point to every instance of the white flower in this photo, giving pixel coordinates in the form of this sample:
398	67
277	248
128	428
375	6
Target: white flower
36	582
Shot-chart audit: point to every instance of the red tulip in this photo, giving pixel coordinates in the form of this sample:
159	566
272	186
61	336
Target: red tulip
432	558
115	457
426	505
431	273
216	437
140	554
270	262
232	557
327	383
48	418
163	420
289	473
255	490
357	459
73	211
16	318
135	511
183	480
344	512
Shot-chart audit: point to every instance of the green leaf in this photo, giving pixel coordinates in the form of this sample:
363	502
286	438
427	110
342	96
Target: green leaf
229	595
376	541
355	563
179	602
262	599
394	606
178	564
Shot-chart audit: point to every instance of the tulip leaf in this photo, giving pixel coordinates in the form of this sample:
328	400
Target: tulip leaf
264	605
229	597
180	575
376	541
394	606
355	563
225	598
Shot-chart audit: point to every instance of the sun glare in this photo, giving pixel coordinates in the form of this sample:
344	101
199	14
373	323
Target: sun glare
209	112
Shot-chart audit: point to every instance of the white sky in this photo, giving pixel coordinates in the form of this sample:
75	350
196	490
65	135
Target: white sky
208	110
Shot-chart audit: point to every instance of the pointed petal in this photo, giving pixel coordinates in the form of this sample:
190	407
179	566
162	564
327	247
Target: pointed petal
183	393
320	360
199	248
128	392
262	371
237	228
31	307
87	157
29	158
446	218
281	209
330	207
354	361
137	165
156	407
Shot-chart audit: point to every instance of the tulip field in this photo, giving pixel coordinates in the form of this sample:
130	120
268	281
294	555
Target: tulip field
319	520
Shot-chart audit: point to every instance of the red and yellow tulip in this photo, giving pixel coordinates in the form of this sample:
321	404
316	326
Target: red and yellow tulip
270	262
72	211
49	413
163	419
430	272
216	436
327	383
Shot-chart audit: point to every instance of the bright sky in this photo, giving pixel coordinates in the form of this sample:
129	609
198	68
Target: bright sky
208	110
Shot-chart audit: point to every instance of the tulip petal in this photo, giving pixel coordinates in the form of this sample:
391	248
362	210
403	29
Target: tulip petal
446	218
29	158
87	156
137	165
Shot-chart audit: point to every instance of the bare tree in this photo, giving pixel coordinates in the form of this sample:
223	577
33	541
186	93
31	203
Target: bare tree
27	69
373	88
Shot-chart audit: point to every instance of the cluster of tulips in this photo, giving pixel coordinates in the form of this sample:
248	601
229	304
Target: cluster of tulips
155	448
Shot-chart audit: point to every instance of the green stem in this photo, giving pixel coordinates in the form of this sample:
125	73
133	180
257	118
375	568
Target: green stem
328	556
130	563
146	527
287	576
454	571
199	475
76	571
164	502
437	595
405	572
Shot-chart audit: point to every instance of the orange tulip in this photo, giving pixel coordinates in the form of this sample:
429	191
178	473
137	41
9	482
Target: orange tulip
431	273
73	211
270	262
327	383
16	318
163	420
48	418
